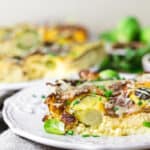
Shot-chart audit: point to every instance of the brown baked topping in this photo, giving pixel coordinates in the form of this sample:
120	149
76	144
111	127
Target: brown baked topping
88	75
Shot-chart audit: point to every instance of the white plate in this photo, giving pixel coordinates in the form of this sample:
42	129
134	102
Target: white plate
23	113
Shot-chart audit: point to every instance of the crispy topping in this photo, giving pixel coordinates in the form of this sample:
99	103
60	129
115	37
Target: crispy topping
68	119
119	99
53	84
116	98
88	75
45	118
73	82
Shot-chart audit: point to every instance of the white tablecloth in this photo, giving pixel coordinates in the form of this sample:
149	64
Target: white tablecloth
10	141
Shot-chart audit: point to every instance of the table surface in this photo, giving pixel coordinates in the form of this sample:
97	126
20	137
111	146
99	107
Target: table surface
3	126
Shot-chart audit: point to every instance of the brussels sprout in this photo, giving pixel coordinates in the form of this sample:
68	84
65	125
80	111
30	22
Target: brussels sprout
54	126
110	36
5	34
89	110
27	39
145	36
90	101
128	30
90	117
109	74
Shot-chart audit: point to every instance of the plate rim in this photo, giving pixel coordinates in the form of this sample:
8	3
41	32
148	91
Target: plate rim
52	142
59	144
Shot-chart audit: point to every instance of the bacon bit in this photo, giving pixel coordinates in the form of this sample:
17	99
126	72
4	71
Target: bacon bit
146	110
49	98
45	118
52	84
73	82
120	97
111	112
133	45
88	75
68	119
119	86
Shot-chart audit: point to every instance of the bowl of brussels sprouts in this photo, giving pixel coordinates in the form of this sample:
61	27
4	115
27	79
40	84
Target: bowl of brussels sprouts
126	44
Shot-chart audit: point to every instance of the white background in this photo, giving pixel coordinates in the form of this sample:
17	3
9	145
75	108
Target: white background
96	14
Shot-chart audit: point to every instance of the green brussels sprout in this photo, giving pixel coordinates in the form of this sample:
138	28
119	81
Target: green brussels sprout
109	74
110	36
88	111
54	126
5	34
89	117
128	29
145	35
27	39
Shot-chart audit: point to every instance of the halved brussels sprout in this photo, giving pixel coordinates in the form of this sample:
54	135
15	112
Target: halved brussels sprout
27	39
4	34
90	117
89	110
54	126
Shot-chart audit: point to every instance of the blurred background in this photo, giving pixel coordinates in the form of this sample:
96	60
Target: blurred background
96	14
39	50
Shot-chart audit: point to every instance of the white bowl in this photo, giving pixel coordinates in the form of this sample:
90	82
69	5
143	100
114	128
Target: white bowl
146	62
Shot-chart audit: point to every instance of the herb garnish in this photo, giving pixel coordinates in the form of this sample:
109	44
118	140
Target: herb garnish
85	135
116	108
108	93
67	102
43	96
76	101
100	98
125	63
88	135
70	132
95	136
79	82
140	103
101	87
146	124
